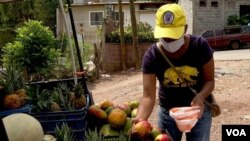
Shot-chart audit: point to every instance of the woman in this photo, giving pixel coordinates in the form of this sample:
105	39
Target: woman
193	58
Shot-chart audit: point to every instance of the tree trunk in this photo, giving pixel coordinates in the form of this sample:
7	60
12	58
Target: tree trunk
121	23
97	60
135	37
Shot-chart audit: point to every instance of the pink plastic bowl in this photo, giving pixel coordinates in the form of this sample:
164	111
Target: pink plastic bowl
185	117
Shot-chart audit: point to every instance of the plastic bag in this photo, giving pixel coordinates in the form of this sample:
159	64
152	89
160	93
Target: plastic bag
185	117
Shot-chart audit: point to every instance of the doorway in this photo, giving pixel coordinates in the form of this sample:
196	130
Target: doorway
244	11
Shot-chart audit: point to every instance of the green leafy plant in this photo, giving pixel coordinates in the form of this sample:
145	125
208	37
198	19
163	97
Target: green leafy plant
11	79
63	95
93	135
41	99
145	34
33	51
6	35
64	133
236	20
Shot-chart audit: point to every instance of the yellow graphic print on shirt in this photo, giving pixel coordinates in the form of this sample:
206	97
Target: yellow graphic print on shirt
186	73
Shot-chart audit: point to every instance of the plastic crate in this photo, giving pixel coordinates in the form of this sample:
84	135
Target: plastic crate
52	83
25	109
76	120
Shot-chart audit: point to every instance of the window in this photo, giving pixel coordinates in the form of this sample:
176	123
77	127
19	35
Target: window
96	18
208	33
245	29
218	32
115	16
232	31
214	3
203	3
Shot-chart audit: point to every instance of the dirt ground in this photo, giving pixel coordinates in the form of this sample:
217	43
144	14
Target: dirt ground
232	92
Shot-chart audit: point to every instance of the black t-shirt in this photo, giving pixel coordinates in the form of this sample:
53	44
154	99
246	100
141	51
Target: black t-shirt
173	92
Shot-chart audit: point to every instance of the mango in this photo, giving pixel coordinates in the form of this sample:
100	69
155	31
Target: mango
134	112
134	104
142	129
125	107
96	111
155	132
117	118
105	104
109	109
162	137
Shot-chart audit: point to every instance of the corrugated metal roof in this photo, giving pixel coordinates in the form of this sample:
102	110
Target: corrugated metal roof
6	1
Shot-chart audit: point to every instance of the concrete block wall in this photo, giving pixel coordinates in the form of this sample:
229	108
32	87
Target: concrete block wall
233	7
188	8
111	56
209	17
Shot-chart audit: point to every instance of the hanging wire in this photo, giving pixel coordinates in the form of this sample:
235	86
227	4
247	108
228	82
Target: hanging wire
70	44
61	47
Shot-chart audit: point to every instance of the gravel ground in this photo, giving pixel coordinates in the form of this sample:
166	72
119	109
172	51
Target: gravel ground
231	91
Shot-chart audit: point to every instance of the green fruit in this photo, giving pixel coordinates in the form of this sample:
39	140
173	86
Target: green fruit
109	109
134	112
155	132
106	130
134	104
128	126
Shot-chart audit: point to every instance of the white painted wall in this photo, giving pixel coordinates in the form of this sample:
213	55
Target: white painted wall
148	17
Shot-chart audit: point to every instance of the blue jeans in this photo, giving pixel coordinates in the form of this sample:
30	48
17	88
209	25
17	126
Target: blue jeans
200	132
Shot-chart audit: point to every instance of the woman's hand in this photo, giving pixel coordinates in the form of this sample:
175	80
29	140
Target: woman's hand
198	100
140	130
80	73
134	134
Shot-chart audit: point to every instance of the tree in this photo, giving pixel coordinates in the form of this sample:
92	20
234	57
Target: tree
123	49
14	14
46	11
134	32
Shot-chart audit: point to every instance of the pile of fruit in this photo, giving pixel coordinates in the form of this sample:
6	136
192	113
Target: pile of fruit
12	95
116	120
15	93
61	98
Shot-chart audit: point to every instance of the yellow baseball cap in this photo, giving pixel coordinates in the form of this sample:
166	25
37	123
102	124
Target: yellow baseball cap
170	22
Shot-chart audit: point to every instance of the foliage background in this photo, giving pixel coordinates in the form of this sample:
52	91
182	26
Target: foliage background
236	20
34	49
145	34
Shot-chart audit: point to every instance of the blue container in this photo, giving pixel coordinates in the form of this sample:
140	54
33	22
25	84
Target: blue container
76	120
25	109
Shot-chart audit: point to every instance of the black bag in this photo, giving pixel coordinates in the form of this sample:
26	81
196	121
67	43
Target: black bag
214	106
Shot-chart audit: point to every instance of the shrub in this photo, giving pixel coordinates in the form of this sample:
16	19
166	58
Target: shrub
6	35
34	49
236	20
144	30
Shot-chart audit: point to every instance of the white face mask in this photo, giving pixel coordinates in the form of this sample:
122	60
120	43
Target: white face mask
172	46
